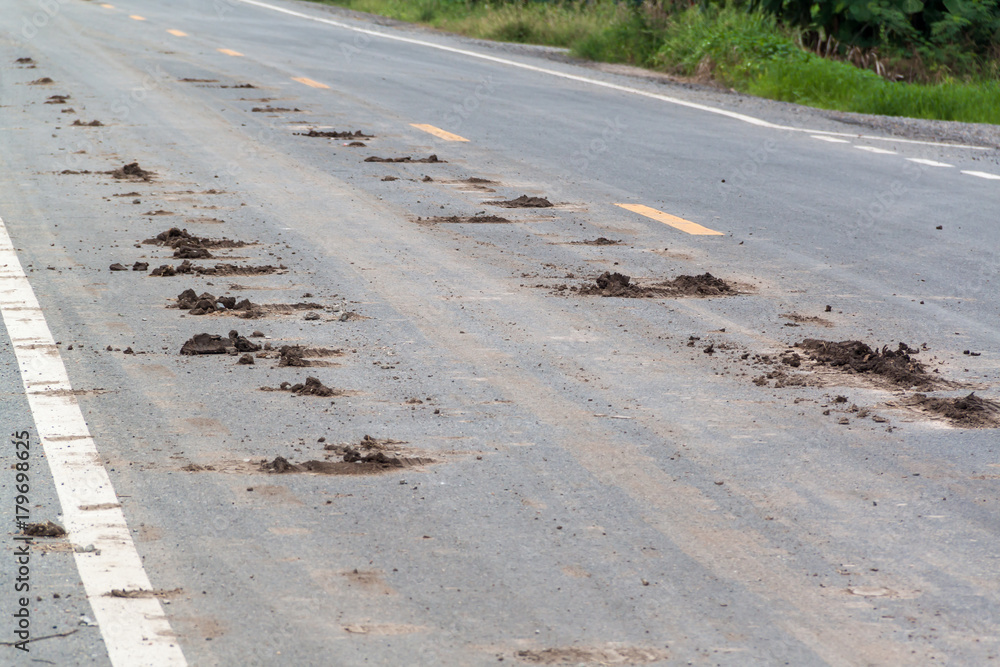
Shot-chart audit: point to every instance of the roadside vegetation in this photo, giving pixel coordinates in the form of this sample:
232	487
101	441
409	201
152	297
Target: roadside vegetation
935	59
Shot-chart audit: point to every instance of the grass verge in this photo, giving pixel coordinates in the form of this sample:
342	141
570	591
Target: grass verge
749	52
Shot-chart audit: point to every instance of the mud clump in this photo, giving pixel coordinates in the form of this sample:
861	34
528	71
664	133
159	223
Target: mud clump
187	268
24	61
204	303
366	458
180	238
57	99
44	81
357	134
431	159
274	110
190	252
621	285
204	343
44	529
599	241
293	355
93	123
463	219
524	201
311	387
852	356
140	266
796	319
132	172
117	267
189	80
967	411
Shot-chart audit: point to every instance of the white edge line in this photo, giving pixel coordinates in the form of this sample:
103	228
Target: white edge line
135	630
596	82
929	163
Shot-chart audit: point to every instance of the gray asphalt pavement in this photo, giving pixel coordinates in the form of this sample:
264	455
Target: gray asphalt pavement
587	480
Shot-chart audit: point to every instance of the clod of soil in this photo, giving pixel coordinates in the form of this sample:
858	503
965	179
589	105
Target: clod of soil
190	252
57	99
452	219
273	110
311	387
117	267
93	123
24	61
600	240
479	181
524	201
967	411
186	267
357	134
807	319
300	355
852	356
246	360
204	343
44	81
431	159
353	462
241	85
133	172
621	285
178	238
186	80
140	266
44	529
207	303
144	593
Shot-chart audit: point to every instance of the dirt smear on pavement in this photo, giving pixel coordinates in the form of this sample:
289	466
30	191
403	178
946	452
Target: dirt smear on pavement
357	134
621	285
181	238
158	593
311	387
455	219
896	367
80	123
575	655
430	159
600	240
132	172
806	319
274	110
524	201
965	412
205	343
301	356
369	456
187	268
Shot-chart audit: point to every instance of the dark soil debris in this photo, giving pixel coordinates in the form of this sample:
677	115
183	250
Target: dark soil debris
44	529
93	123
454	219
180	238
133	172
204	343
524	201
357	134
430	159
311	387
897	366
621	285
966	411
274	110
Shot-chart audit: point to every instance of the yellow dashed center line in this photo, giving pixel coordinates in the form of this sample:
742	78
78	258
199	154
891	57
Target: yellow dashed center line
309	82
107	6
438	132
230	52
178	33
672	220
136	17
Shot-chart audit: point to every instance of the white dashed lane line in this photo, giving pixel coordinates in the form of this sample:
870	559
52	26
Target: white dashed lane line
929	163
918	160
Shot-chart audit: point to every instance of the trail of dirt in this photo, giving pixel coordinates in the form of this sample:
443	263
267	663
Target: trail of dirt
452	219
186	268
274	110
180	238
132	172
57	99
600	240
852	356
311	387
357	134
966	412
204	343
621	285
524	201
93	123
431	159
806	319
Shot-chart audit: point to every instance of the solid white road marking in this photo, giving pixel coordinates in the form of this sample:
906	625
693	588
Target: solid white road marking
983	174
594	82
872	149
929	163
832	140
135	630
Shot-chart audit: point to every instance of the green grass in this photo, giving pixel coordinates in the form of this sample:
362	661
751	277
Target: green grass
748	52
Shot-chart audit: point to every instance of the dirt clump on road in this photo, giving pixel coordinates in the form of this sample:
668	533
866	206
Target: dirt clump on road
430	159
524	201
204	343
600	240
853	356
187	268
24	61
132	172
357	134
80	123
365	458
179	238
204	303
44	81
44	529
966	411
189	80
311	387
454	219
117	267
621	285
274	110
806	319
57	99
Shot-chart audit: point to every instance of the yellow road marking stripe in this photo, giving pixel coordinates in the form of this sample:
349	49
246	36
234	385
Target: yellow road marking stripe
672	220
177	33
107	6
438	132
136	17
230	52
309	82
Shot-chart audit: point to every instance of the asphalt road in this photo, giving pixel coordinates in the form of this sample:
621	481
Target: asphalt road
589	480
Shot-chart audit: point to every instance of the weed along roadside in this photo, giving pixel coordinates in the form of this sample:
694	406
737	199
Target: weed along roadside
935	61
